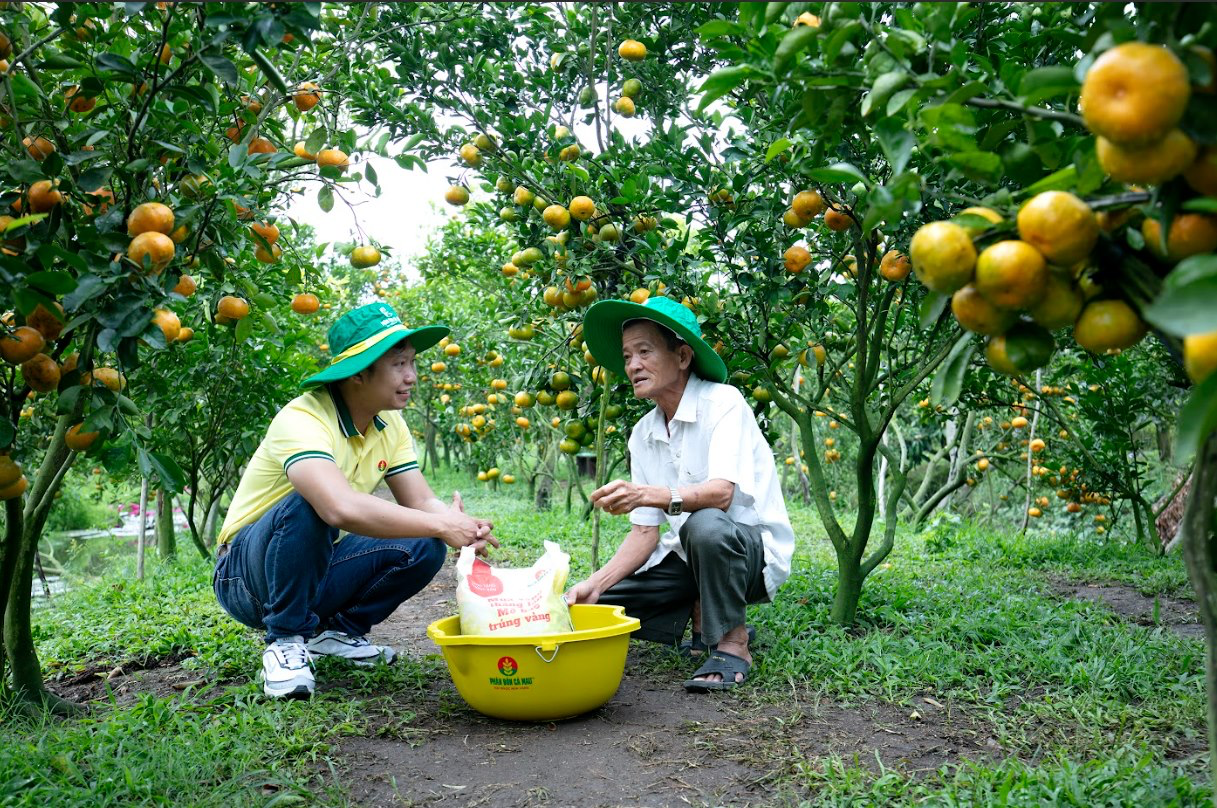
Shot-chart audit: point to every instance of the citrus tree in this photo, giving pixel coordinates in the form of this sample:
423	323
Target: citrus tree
148	148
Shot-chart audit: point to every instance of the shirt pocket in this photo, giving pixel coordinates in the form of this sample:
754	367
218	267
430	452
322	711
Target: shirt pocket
693	473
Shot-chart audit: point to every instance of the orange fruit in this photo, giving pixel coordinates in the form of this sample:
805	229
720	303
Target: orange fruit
438	367
307	96
168	322
978	314
233	133
180	234
365	256
21	344
556	217
793	220
270	256
305	303
78	102
10	471
1202	174
796	259
1134	93
185	286
632	50
895	266
566	400
837	220
156	247
15	489
625	107
43	196
1150	164
300	151
186	334
260	145
48	323
266	230
243	213
68	364
1108	325
41	373
640	295
1011	274
38	147
1190	234
339	159
1059	225
232	307
807	204
166	53
79	441
1200	355
1060	305
456	195
582	208
998	359
150	217
943	256
109	377
471	154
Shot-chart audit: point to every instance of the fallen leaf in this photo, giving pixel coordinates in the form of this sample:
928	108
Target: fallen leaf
929	700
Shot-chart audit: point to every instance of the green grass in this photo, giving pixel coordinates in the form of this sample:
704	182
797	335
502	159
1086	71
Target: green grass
1097	711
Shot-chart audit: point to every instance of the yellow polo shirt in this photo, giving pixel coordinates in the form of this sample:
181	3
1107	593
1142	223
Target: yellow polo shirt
318	424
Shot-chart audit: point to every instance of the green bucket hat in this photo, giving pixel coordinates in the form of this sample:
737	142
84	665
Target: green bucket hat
363	335
602	333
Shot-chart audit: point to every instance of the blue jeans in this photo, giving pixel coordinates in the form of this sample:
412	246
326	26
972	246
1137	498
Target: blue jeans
284	574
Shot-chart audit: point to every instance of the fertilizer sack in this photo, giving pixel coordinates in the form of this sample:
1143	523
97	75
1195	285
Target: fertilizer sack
513	603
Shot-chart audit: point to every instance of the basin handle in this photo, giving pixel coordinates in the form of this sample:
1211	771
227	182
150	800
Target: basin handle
552	648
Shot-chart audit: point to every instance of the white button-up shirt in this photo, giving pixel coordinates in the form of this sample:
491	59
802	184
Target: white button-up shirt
713	436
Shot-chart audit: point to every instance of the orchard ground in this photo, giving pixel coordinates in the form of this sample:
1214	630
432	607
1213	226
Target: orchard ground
1046	668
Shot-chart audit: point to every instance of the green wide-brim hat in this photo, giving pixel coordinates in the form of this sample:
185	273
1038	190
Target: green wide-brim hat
363	335
602	333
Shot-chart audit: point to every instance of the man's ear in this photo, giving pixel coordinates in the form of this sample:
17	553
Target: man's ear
686	356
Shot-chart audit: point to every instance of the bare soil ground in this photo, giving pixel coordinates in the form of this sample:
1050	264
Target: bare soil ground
1173	614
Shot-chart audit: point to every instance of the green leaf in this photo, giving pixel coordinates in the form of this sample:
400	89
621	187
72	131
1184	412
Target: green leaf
1185	305
795	40
268	69
7	433
1062	180
127	406
882	90
721	82
369	173
316	140
717	28
1047	82
68	398
245	327
967	92
897	143
54	60
116	63
979	165
931	308
164	467
1204	204
1197	419
777	147
56	282
325	198
95	178
838	172
948	381
898	101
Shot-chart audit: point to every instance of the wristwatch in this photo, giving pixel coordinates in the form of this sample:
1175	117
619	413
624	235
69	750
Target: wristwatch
677	503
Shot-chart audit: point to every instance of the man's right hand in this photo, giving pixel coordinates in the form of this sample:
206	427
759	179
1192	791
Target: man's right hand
582	592
458	530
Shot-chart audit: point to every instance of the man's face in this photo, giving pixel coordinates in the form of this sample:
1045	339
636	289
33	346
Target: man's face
650	365
391	378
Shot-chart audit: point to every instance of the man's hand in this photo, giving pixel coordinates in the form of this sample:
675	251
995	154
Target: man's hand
458	530
484	527
620	496
582	592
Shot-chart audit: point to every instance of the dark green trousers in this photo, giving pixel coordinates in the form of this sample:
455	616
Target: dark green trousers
725	571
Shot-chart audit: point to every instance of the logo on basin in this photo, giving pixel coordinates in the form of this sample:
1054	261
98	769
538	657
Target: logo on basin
508	666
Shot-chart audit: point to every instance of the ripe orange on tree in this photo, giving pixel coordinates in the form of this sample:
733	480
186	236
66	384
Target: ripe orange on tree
79	441
150	217
365	256
1108	325
1011	274
48	323
38	147
1134	93
895	266
232	307
625	107
156	247
266	230
632	50
1189	234
796	259
109	377
1200	355
305	303
943	256
978	314
307	96
1060	225
168	322
21	344
1150	164
582	208
15	489
186	334
260	145
456	195
10	471
41	373
300	151
270	256
837	220
339	159
185	286
807	204
43	196
1061	304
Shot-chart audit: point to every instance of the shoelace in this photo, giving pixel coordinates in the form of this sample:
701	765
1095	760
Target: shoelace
293	655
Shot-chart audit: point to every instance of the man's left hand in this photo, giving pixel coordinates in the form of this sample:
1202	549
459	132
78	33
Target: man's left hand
619	497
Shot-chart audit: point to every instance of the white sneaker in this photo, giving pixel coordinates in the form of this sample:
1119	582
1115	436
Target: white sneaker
356	650
285	669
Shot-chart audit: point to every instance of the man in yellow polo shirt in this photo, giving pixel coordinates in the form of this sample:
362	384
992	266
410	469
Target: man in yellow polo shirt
307	553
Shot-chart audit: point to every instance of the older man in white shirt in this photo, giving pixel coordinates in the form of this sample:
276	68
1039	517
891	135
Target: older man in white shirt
699	462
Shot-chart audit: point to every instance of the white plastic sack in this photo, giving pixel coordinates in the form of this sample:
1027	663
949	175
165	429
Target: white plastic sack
513	602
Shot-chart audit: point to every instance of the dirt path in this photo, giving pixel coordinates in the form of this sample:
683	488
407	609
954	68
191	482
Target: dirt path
651	745
1173	614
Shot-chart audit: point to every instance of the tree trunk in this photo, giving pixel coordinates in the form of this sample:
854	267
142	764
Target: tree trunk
1201	556
849	588
211	524
166	540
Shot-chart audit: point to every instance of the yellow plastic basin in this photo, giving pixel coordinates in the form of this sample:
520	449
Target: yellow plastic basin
542	677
